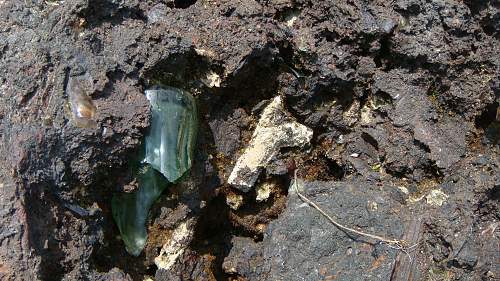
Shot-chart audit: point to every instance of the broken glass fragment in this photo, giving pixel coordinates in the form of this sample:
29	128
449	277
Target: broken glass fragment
130	210
172	136
169	149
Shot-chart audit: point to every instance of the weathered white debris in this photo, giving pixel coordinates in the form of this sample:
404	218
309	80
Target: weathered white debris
291	17
264	191
212	80
275	130
234	201
351	115
436	197
171	251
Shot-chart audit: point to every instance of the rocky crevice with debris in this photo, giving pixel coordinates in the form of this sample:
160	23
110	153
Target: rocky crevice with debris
387	111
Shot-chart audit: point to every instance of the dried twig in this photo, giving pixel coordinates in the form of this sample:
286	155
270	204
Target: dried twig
401	245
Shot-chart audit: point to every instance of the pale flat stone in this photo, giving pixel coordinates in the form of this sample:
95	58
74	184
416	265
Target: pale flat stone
274	131
171	251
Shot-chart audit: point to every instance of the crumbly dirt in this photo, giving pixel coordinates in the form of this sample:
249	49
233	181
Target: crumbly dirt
399	94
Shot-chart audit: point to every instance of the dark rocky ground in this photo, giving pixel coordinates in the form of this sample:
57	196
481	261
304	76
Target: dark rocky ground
402	97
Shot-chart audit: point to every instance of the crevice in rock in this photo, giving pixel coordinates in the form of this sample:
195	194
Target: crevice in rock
329	35
481	9
422	145
487	117
369	139
99	12
181	4
489	123
389	60
286	14
383	55
213	234
317	166
218	224
494	193
186	70
254	82
487	207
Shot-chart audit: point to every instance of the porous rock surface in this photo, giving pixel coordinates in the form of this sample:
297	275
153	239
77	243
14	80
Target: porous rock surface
302	245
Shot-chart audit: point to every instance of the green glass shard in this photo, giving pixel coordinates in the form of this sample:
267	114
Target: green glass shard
172	136
169	148
130	210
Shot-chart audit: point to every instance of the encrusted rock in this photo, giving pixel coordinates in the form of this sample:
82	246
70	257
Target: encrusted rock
244	259
274	131
446	141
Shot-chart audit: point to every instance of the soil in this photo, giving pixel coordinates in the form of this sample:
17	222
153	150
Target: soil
402	97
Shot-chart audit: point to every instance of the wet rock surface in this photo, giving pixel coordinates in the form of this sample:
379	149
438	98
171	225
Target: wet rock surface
402	98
